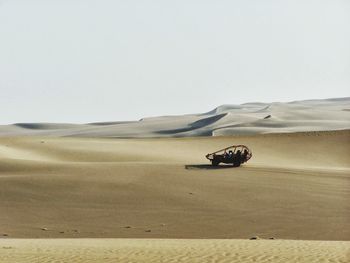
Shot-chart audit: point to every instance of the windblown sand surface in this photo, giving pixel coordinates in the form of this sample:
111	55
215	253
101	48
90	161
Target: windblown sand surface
296	186
248	118
172	250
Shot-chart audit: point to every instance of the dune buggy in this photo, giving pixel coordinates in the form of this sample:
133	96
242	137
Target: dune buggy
235	155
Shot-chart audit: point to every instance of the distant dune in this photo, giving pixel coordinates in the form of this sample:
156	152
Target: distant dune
248	118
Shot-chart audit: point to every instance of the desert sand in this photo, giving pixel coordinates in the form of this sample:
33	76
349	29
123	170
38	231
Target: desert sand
243	119
171	250
296	187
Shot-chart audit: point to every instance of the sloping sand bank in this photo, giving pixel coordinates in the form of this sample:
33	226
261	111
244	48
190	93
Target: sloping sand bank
174	250
295	187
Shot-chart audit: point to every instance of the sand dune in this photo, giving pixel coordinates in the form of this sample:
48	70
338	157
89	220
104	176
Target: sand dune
159	200
295	187
249	118
174	250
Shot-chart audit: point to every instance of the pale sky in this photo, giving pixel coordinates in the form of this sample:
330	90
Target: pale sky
108	60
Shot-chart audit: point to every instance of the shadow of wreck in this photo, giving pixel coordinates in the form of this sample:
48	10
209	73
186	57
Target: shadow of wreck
206	167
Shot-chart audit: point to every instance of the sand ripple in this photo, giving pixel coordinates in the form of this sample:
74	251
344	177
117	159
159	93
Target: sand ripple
172	250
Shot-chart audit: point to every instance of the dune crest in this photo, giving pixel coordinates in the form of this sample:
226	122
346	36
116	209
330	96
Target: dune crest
248	118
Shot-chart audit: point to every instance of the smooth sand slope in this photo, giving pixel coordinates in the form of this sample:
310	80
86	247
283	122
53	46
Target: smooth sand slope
295	187
248	118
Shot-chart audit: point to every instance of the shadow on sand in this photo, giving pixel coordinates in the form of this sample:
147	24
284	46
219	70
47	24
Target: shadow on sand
206	167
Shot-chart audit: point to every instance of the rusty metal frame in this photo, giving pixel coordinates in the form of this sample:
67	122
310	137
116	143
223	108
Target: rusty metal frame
210	156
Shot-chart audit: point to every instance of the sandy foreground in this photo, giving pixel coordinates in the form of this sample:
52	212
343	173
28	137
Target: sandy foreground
296	187
171	250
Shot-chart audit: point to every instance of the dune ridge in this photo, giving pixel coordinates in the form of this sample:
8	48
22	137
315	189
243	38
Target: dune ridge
248	118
